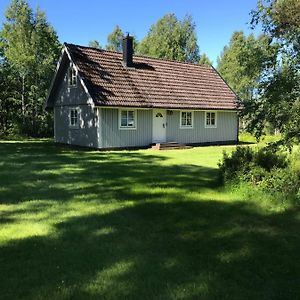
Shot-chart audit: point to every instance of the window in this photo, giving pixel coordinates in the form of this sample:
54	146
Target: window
127	119
72	76
186	119
210	120
74	117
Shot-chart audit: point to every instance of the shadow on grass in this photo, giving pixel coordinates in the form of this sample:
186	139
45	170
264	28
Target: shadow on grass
181	250
172	249
48	172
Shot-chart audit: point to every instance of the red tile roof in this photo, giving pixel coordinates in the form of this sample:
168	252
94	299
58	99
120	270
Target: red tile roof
151	82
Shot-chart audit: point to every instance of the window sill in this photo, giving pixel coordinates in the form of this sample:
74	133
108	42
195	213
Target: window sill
210	127
186	127
127	128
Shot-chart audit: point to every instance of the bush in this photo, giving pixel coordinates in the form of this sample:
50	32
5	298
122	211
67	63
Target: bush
245	160
239	160
268	171
285	181
268	159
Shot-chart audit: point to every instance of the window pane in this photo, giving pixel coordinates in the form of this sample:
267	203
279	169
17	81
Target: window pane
131	114
130	118
183	118
189	119
212	122
124	122
130	123
124	118
75	78
70	76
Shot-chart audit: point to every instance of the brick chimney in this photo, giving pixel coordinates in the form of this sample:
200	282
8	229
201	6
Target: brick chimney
128	51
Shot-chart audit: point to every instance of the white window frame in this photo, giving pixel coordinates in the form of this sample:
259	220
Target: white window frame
72	76
120	119
77	125
186	126
216	119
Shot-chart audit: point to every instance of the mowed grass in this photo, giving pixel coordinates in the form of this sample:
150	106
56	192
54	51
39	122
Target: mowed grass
137	225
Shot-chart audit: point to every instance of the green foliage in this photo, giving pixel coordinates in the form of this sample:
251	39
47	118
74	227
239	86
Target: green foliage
8	105
281	21
269	171
95	44
232	163
204	60
242	62
171	38
268	159
277	101
30	49
115	40
284	181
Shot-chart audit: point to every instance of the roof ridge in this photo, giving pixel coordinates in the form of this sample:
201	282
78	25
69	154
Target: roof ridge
144	56
97	49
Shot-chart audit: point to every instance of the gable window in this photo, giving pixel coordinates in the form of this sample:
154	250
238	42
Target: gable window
127	119
74	117
210	119
72	76
186	119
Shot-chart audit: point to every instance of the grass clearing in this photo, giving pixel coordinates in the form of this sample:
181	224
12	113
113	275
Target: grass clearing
137	225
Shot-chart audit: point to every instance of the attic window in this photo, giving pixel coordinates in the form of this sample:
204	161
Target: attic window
72	76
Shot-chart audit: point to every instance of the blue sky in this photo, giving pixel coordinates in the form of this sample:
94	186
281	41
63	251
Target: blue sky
79	22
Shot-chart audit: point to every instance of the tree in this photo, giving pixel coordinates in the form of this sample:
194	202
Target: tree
115	39
31	49
204	60
95	44
242	63
278	96
171	38
8	107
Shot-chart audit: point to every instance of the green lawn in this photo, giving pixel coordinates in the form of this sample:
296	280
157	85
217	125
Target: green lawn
137	225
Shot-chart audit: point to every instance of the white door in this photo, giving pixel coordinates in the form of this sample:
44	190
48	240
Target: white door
159	125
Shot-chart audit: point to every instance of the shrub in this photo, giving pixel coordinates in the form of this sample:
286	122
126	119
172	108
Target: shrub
268	159
254	175
268	171
244	160
284	181
241	158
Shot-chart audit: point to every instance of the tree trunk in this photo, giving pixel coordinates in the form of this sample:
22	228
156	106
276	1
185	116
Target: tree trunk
23	100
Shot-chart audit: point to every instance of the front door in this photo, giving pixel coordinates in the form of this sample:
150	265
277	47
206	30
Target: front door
159	125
